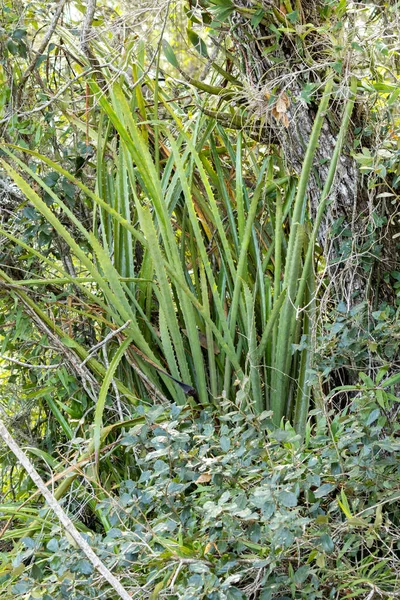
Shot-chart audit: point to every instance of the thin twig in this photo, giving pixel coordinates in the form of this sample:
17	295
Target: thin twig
89	382
371	594
29	365
390	499
382	593
175	577
114	385
49	102
108	337
41	49
149	384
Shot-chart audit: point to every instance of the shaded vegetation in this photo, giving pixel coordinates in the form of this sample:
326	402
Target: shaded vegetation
199	298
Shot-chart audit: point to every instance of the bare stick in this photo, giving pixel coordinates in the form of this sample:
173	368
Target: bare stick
25	364
108	337
41	49
61	515
87	26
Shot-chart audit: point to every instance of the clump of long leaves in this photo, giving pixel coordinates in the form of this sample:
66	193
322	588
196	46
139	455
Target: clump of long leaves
190	256
195	263
196	268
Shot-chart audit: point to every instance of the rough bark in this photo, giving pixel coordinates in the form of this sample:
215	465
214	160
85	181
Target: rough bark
291	73
285	71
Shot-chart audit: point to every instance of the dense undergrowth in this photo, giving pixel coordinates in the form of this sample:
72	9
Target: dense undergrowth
208	389
221	506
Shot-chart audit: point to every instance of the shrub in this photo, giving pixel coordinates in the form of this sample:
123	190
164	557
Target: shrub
213	511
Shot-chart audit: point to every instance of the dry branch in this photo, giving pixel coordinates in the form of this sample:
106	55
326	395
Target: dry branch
61	515
87	26
40	51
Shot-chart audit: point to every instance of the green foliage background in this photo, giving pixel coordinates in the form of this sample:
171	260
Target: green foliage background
217	418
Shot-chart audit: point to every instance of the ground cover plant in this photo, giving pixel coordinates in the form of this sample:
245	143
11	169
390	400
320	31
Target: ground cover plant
199	301
210	510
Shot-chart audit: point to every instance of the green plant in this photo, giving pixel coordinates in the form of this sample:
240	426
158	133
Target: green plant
176	287
210	509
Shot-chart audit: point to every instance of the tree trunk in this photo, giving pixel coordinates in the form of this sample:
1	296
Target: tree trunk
283	79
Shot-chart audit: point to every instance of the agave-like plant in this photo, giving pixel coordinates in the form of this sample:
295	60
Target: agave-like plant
197	270
191	258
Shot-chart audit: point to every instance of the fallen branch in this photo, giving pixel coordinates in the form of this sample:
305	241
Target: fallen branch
61	515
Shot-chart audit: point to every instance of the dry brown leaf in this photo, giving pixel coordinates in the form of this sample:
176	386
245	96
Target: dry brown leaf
283	103
285	120
280	108
204	478
209	546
